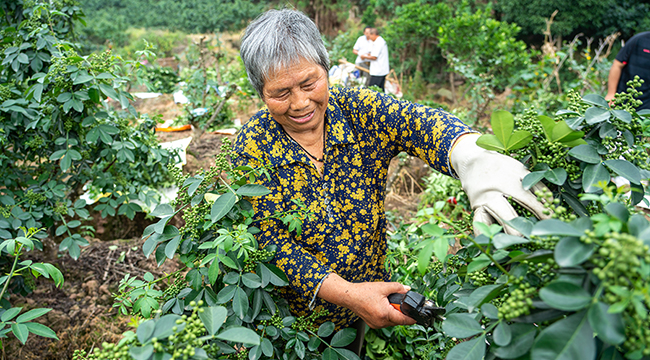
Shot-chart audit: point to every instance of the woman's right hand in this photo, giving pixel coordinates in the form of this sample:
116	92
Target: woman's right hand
369	300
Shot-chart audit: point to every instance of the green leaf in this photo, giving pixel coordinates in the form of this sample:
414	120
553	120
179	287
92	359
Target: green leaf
346	354
570	251
251	280
213	272
41	330
267	347
625	169
623	115
440	249
344	337
424	257
595	115
109	91
329	354
565	296
313	344
556	176
532	178
213	318
192	184
172	246
253	190
595	99
503	240
490	142
468	350
502	334
566	339
592	175
32	314
522	340
482	295
162	210
490	311
618	211
586	153
519	139
165	325
226	294
222	206
477	264
20	331
555	227
326	329
609	327
547	125
10	314
141	352
240	303
563	133
81	79
461	325
145	331
239	335
502	125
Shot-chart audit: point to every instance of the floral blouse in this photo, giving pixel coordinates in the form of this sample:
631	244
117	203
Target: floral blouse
347	235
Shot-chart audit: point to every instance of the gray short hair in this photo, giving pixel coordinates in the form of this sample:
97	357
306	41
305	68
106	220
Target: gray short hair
278	39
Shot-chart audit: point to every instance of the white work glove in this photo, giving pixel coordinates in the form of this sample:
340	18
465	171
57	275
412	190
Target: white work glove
488	179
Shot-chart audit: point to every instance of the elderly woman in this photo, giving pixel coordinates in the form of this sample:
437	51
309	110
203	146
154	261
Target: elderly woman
330	149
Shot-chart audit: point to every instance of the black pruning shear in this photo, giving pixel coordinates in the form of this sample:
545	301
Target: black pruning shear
417	307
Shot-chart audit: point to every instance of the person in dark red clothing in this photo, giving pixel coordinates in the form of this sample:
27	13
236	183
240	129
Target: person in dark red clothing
632	60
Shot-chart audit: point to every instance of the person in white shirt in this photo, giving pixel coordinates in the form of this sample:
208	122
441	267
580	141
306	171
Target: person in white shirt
378	57
363	46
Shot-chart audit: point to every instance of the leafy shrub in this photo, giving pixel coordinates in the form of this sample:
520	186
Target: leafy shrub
59	137
160	79
226	271
21	325
545	292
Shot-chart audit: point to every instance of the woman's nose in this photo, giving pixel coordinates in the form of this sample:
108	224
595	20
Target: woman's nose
300	100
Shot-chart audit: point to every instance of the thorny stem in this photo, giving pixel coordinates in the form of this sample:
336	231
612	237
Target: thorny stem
11	273
462	234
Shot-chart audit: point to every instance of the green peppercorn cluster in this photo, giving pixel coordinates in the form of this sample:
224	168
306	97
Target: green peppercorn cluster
621	262
5	211
306	323
449	344
182	344
241	354
261	255
435	267
35	142
61	208
518	301
480	278
5	94
35	198
176	285
555	154
275	321
628	100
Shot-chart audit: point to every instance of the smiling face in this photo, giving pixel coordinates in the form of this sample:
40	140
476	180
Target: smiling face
297	97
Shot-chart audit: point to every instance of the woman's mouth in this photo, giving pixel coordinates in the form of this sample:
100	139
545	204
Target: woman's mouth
303	119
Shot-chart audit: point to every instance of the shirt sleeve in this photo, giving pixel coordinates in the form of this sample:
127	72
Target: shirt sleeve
377	47
394	126
625	53
304	270
357	45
